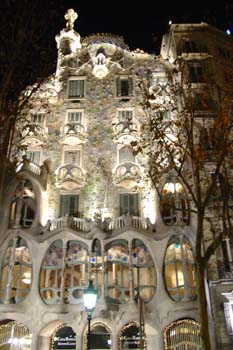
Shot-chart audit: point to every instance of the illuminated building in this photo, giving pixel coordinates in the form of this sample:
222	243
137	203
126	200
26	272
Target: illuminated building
82	207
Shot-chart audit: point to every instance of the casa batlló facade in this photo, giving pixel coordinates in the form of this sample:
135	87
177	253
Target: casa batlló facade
82	206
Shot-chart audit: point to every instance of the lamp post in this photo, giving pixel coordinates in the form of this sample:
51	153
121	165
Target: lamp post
89	298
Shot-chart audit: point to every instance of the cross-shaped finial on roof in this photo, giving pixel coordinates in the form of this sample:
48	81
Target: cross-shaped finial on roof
71	17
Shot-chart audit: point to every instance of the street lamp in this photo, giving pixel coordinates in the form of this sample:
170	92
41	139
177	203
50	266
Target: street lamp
89	298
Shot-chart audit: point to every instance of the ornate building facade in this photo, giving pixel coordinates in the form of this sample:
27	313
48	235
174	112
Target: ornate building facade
82	206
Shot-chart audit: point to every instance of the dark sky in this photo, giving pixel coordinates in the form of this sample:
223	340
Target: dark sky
142	22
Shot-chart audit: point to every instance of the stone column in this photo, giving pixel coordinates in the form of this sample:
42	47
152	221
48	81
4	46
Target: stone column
114	339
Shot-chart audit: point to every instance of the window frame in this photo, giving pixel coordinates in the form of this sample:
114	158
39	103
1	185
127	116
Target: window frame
76	197
184	262
63	292
34	151
119	150
76	97
16	266
119	87
159	77
75	110
36	114
77	149
136	205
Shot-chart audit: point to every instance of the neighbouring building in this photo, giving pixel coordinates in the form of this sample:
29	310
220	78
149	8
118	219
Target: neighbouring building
81	205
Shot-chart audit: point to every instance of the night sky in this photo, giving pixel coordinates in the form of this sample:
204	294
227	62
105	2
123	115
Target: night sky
142	23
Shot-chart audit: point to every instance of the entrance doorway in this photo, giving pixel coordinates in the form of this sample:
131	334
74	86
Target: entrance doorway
100	338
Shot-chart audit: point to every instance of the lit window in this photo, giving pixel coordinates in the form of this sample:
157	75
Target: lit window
180	333
124	86
118	267
144	278
76	88
16	272
14	335
63	273
180	270
174	205
117	286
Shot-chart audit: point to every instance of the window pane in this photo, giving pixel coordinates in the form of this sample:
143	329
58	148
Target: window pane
129	204
64	338
125	115
75	117
37	118
14	335
72	157
63	274
126	155
76	88
16	272
117	272
180	269
23	205
69	205
124	86
33	156
174	204
182	332
130	337
144	279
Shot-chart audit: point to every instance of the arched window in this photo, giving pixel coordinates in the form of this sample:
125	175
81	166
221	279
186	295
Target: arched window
14	335
64	273
97	266
180	333
23	205
100	337
16	272
63	338
174	205
130	337
117	272
179	269
144	278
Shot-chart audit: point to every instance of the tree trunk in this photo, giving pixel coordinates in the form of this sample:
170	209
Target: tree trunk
202	301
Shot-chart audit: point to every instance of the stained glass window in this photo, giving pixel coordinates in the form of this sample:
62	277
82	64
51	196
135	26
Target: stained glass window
64	273
16	272
180	270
